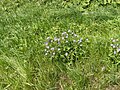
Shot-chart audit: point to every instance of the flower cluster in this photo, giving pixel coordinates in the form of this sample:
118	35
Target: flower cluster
115	46
115	50
67	47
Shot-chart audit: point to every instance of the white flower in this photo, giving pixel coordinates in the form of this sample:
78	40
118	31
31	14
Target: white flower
58	49
66	36
47	47
87	39
74	40
66	41
54	53
79	41
45	50
69	31
55	39
51	40
46	43
66	54
46	53
52	49
113	46
80	44
117	39
63	33
58	42
75	35
58	39
115	52
72	33
118	50
48	38
62	38
113	40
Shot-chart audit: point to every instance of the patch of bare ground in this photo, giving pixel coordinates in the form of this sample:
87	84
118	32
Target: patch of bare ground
113	87
64	81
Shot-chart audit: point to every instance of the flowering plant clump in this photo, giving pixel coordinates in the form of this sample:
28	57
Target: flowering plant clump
115	50
68	47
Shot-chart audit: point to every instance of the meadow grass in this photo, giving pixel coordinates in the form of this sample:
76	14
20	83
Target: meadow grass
24	28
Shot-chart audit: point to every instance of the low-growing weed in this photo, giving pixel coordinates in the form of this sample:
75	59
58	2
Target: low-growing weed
67	48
